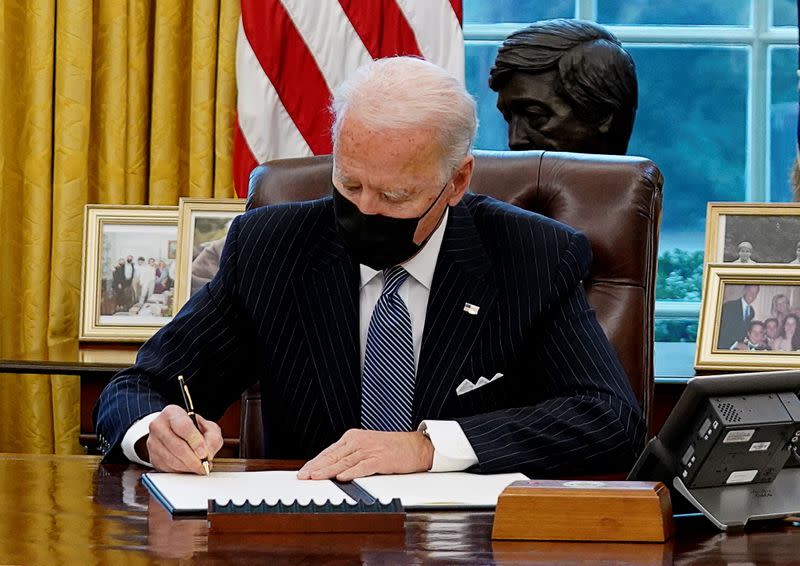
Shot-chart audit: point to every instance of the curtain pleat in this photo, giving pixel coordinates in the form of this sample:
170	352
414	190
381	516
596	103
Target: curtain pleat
27	44
102	102
225	100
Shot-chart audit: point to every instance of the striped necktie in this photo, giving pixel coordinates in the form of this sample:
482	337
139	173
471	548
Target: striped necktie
387	385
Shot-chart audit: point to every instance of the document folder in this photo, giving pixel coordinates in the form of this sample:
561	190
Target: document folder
187	494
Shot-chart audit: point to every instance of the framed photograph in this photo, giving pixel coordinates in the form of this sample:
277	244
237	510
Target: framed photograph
127	287
753	233
750	318
203	227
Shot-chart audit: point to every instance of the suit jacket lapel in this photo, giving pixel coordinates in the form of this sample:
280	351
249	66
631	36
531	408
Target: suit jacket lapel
463	275
328	302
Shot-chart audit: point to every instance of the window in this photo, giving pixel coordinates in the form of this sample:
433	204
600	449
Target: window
717	111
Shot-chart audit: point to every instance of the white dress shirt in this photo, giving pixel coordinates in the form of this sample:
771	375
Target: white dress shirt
745	308
451	449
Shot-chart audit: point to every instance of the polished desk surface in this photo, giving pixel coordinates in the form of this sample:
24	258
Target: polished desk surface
71	357
672	360
96	364
72	510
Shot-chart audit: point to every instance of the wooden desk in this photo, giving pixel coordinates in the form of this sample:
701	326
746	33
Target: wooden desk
95	365
69	510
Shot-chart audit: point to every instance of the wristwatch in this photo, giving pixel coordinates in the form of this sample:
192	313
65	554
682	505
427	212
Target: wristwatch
425	432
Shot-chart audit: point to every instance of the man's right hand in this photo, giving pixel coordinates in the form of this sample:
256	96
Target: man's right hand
175	445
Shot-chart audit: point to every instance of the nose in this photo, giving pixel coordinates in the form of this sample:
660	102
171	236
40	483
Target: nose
517	134
368	202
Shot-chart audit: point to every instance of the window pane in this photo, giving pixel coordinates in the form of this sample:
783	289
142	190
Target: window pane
692	122
492	128
784	12
674	12
676	330
782	121
527	11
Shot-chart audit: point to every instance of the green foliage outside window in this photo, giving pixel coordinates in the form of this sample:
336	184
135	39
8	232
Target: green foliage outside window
676	330
680	275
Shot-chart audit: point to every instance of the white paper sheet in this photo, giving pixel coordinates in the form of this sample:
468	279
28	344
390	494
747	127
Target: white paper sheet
187	493
429	490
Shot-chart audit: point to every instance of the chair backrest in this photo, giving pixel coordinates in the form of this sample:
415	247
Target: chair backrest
614	200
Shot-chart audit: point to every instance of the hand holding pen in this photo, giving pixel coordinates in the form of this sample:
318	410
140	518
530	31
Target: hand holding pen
174	443
187	401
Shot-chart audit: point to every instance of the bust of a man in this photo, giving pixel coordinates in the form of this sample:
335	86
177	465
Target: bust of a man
566	85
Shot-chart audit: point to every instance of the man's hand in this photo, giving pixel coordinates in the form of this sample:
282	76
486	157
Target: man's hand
362	453
175	444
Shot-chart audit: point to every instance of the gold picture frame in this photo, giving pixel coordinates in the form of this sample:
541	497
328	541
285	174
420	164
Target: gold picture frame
731	307
128	301
772	231
202	227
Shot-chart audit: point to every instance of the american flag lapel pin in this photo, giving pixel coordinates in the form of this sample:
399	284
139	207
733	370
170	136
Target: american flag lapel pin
469	308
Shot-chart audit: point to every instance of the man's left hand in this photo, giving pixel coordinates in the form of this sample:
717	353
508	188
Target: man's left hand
362	453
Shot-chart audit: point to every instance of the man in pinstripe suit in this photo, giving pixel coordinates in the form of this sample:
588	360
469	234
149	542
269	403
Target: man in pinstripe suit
511	370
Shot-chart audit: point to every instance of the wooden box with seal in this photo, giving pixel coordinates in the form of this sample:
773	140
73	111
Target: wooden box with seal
581	510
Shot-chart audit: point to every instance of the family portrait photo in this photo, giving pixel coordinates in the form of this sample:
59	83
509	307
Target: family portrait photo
750	318
137	279
129	271
760	318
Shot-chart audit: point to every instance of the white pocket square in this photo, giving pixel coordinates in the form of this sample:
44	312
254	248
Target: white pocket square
466	386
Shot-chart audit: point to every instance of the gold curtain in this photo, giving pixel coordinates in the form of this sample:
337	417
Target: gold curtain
102	102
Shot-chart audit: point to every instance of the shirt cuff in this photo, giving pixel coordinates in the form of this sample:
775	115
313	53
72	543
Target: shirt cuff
452	452
137	430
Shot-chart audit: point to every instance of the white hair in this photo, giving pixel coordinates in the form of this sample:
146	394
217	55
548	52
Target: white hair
402	93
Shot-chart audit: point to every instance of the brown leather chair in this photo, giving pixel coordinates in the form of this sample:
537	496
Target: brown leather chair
614	200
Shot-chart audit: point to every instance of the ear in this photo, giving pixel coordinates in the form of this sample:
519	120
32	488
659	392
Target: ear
461	180
605	124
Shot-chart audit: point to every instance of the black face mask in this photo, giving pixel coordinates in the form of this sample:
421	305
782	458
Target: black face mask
373	239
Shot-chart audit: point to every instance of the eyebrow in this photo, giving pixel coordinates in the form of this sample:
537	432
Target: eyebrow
399	191
523	101
339	176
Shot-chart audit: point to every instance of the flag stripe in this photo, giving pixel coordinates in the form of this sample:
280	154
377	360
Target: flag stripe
291	69
245	161
438	32
291	54
457	10
330	37
260	112
382	27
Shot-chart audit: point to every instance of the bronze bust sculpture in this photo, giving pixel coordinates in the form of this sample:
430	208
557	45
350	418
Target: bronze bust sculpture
566	85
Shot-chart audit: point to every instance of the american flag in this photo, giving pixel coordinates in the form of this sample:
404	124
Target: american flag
291	54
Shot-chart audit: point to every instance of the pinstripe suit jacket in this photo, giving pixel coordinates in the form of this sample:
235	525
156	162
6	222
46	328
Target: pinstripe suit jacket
284	309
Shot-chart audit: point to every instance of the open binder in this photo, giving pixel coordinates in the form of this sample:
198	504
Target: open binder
185	494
